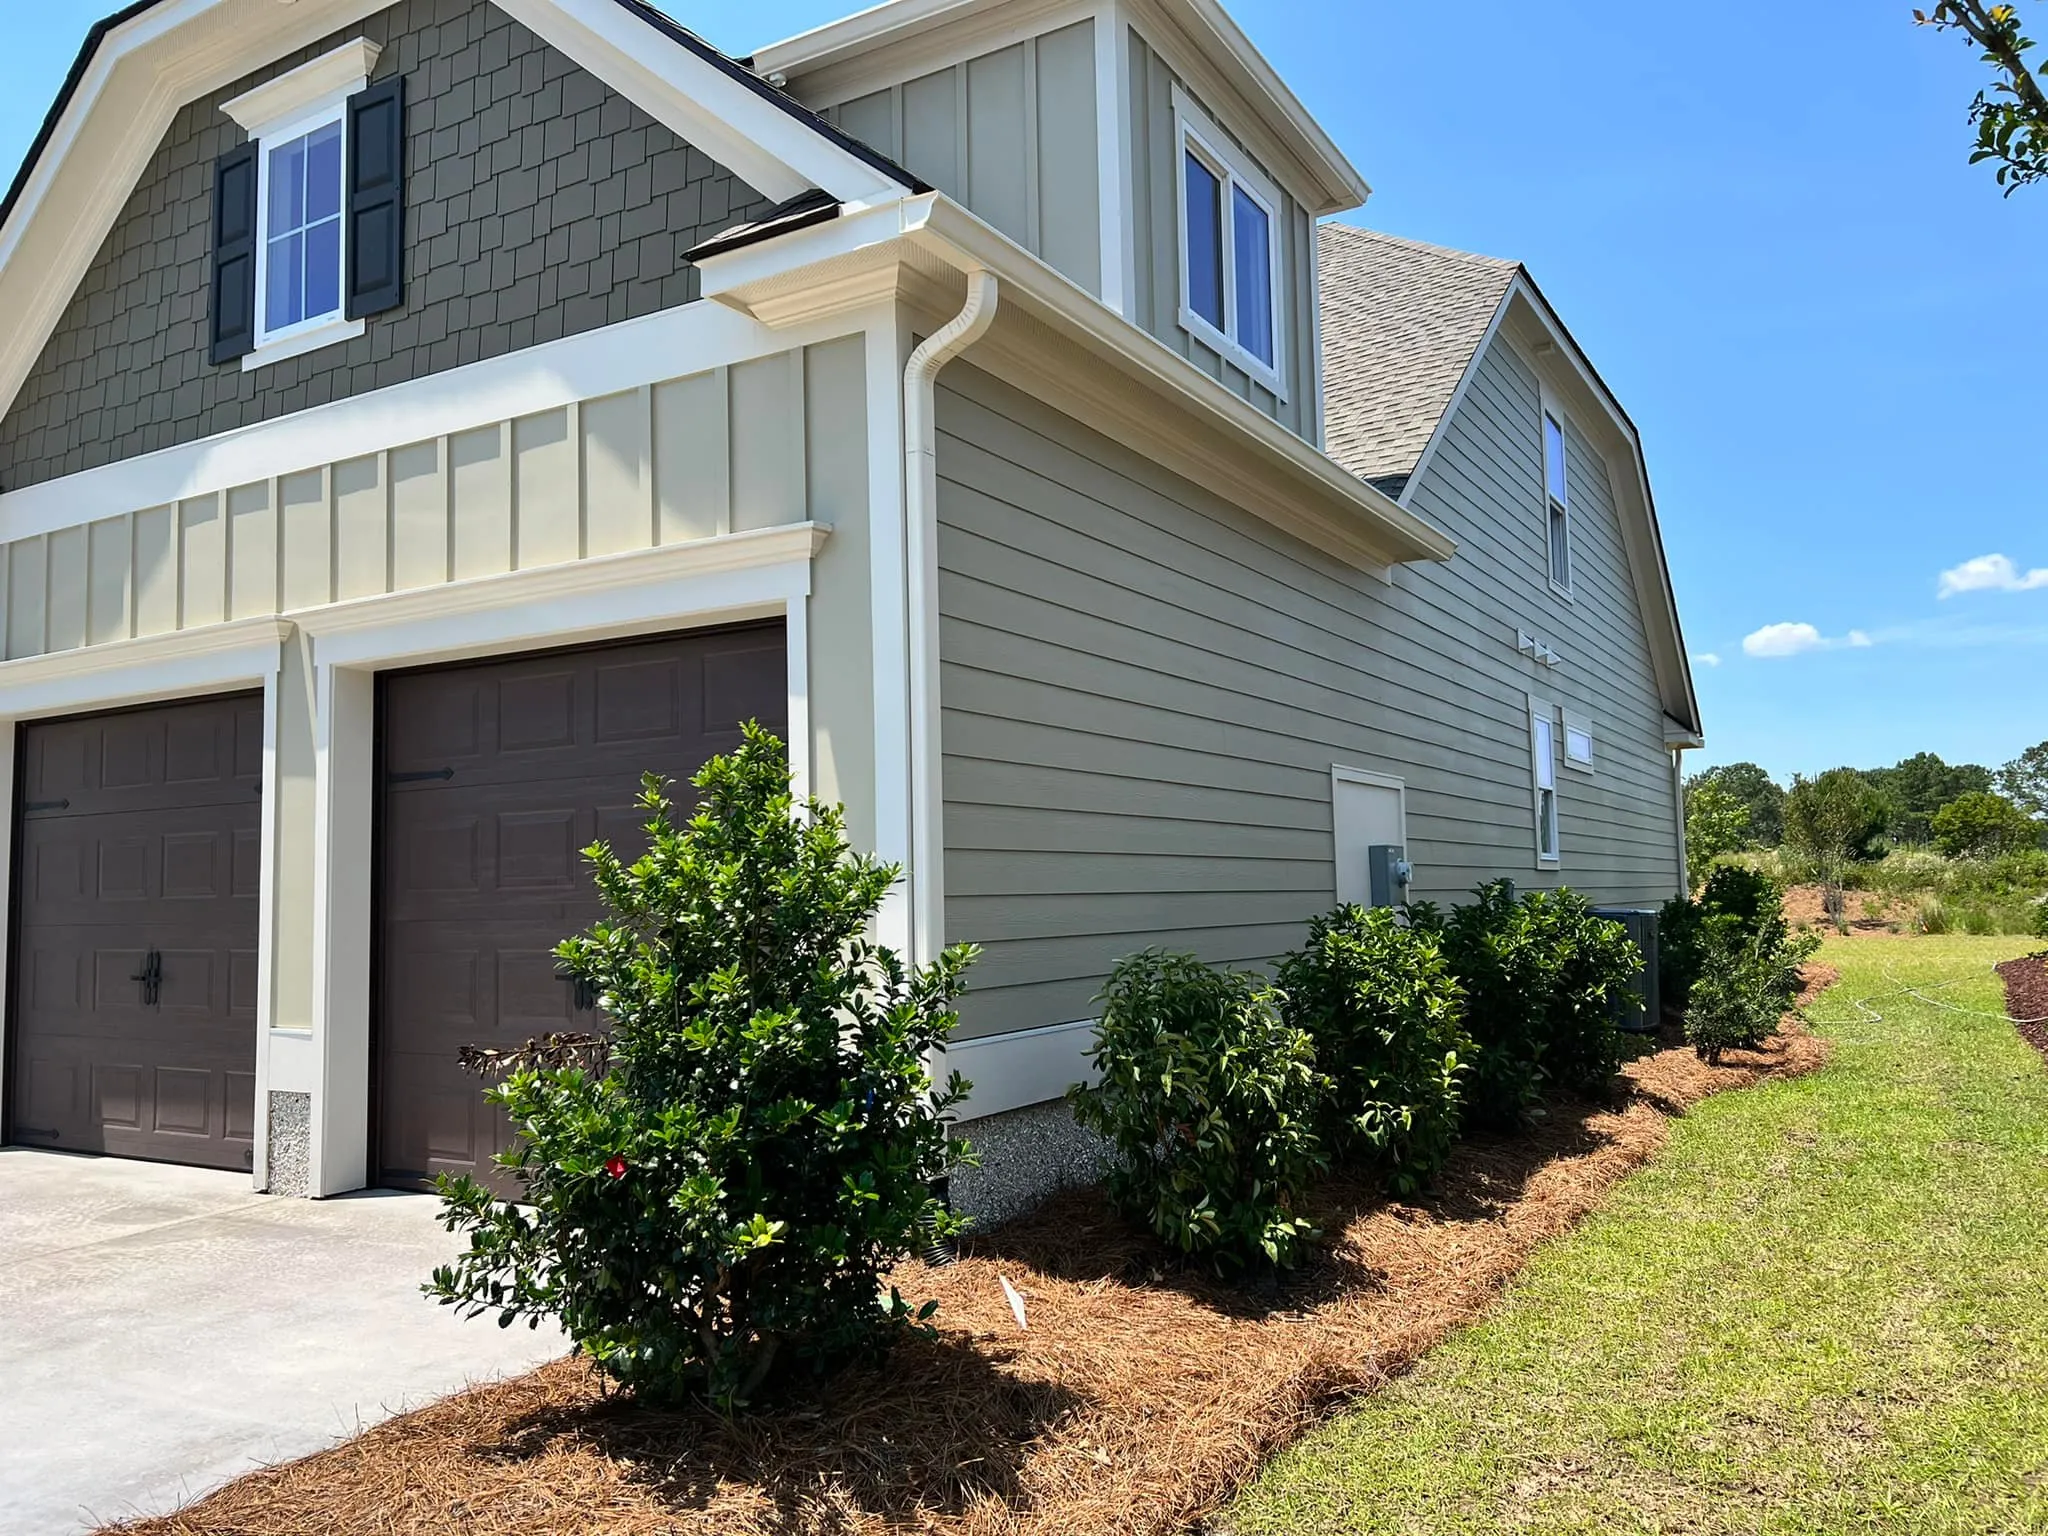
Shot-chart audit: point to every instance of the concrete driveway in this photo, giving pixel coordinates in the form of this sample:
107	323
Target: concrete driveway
163	1330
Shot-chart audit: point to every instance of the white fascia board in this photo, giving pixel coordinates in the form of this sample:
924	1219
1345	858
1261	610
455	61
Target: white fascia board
949	35
773	151
1250	458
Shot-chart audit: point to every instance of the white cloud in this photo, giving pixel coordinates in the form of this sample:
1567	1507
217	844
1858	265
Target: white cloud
1991	573
1774	641
1707	659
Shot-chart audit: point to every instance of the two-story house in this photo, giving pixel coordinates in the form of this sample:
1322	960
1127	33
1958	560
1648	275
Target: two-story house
417	419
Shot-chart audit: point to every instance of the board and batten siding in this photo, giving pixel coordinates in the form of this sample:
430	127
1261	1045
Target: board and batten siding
759	444
1011	135
1156	233
1144	689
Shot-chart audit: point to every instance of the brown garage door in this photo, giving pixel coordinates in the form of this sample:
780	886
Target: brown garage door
134	973
495	776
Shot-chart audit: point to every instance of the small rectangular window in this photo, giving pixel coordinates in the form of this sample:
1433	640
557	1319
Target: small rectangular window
1578	742
1557	497
1230	252
1543	754
1205	241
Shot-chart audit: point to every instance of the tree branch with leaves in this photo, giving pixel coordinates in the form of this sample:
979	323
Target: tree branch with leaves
2011	115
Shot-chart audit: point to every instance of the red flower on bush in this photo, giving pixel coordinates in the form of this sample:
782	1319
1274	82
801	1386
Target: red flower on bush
616	1167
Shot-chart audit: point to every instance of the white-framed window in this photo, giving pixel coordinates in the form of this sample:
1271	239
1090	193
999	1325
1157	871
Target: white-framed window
1543	781
1557	496
298	123
300	228
1578	742
1230	275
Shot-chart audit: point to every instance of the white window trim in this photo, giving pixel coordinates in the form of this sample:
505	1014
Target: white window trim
289	107
1193	129
1544	715
1554	411
1574	721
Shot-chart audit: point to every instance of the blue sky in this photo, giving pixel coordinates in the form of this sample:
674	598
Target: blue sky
1826	324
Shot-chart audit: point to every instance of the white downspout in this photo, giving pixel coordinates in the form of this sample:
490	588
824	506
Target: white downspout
1678	799
920	512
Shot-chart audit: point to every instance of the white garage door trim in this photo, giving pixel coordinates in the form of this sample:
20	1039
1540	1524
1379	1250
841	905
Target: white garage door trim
730	579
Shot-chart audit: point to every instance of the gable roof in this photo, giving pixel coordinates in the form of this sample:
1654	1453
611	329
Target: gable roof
1402	322
1404	327
139	66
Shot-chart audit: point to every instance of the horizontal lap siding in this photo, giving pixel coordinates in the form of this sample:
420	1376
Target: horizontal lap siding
1144	690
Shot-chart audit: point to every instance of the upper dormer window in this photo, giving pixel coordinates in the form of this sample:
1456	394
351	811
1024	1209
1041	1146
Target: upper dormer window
1230	279
308	216
1557	498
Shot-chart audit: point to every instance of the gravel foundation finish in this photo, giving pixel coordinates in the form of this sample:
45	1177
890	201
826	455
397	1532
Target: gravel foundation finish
290	1167
1026	1156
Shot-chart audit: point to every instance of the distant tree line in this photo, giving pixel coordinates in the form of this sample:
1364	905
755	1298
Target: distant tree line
1851	814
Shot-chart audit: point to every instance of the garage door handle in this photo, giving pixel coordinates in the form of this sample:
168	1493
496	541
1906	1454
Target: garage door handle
152	978
45	805
420	777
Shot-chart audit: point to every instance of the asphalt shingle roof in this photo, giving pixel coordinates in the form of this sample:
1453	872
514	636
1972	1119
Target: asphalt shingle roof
1401	321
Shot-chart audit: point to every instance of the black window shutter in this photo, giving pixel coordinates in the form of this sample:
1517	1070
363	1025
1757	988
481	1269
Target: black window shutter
376	198
233	331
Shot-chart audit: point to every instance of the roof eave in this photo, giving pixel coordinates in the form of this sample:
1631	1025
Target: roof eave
1133	384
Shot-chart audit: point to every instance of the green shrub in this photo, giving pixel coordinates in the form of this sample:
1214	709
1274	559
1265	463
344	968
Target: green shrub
1681	953
1541	975
1733	1006
2041	918
715	1214
1210	1101
1748	963
1387	1020
1983	825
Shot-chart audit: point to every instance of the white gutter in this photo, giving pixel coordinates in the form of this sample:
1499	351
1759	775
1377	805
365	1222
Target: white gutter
920	514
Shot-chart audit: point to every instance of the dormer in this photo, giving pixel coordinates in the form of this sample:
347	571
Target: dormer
1143	148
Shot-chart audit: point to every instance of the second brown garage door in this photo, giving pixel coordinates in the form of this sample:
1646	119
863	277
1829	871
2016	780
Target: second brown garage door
495	776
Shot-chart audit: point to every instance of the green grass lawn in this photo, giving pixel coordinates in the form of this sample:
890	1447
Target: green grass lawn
1824	1308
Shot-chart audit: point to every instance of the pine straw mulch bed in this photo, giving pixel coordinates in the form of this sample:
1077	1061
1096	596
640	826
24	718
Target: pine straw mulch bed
2026	997
1138	1398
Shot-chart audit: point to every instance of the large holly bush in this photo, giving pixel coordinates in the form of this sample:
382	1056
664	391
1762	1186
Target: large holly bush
1387	1018
712	1215
1210	1101
1541	976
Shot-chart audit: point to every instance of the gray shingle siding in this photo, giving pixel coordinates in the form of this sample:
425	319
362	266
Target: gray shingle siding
539	204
